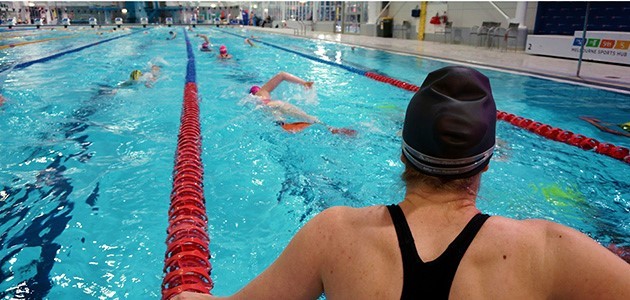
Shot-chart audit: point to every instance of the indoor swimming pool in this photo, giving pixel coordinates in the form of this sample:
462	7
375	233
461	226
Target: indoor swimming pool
86	164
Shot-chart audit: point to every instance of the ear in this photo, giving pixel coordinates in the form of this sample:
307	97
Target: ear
486	168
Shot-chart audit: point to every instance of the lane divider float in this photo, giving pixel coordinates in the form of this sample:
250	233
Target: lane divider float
546	131
34	42
25	64
186	263
567	137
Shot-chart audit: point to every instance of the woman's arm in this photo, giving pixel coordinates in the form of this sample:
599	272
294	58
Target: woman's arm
296	274
282	76
581	268
204	37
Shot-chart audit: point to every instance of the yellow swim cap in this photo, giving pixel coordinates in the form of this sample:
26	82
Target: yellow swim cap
135	75
625	126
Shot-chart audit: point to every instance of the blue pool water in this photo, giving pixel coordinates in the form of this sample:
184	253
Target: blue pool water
85	174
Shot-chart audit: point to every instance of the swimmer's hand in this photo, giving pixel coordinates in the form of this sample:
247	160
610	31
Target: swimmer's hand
308	84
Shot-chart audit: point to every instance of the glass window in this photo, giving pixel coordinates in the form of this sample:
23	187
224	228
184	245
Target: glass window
329	10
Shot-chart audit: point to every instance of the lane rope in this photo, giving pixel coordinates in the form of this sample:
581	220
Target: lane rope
25	64
186	262
34	42
546	131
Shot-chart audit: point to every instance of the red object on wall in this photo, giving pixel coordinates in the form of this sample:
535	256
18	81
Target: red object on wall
435	20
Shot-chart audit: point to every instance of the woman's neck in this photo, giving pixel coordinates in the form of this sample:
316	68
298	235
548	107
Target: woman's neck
424	198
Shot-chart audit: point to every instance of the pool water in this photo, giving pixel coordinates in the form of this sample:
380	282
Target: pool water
85	172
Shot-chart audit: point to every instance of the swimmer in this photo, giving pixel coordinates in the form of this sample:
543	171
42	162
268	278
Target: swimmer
280	109
136	76
249	42
206	44
152	76
605	127
2	100
172	35
223	54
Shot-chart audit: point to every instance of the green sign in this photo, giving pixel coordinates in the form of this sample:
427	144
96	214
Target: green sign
592	43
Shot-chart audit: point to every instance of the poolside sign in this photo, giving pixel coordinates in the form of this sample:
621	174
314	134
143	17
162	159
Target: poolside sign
598	46
603	46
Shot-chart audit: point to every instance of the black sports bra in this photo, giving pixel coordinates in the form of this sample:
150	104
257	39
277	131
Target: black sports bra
431	280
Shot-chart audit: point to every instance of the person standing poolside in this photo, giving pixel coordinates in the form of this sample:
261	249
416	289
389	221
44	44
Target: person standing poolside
435	243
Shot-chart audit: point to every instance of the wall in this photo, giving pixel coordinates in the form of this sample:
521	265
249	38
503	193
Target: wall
469	14
465	15
564	18
401	11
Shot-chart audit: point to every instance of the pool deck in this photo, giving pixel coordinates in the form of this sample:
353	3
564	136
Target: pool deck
601	75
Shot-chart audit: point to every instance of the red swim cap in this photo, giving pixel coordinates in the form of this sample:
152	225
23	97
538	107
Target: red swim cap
223	49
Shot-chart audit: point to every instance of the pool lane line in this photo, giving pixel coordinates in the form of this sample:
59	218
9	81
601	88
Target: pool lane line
34	42
546	131
16	29
23	65
186	262
347	68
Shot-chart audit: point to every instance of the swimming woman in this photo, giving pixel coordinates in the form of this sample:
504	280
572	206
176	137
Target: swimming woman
281	109
605	127
223	53
206	44
278	108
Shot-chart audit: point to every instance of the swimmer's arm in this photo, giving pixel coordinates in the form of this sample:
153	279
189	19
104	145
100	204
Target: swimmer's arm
204	37
282	76
292	110
126	83
580	268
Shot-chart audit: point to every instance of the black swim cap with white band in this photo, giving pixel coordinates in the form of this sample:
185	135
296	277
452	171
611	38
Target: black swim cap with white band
449	129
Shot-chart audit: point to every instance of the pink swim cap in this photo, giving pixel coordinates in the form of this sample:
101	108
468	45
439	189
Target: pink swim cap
254	90
223	49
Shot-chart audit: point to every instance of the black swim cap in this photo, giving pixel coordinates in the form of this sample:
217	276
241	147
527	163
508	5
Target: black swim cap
449	129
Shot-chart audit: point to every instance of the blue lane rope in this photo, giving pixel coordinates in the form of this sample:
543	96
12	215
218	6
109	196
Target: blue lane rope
23	65
191	75
347	68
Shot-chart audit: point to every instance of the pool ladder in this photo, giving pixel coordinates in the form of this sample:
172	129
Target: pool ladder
301	30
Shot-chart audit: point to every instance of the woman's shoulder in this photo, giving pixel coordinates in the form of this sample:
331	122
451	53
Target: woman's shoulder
352	219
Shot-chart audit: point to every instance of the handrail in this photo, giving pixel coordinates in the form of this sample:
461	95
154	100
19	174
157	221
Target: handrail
499	10
378	18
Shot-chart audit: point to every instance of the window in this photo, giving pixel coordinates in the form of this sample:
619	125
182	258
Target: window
329	10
